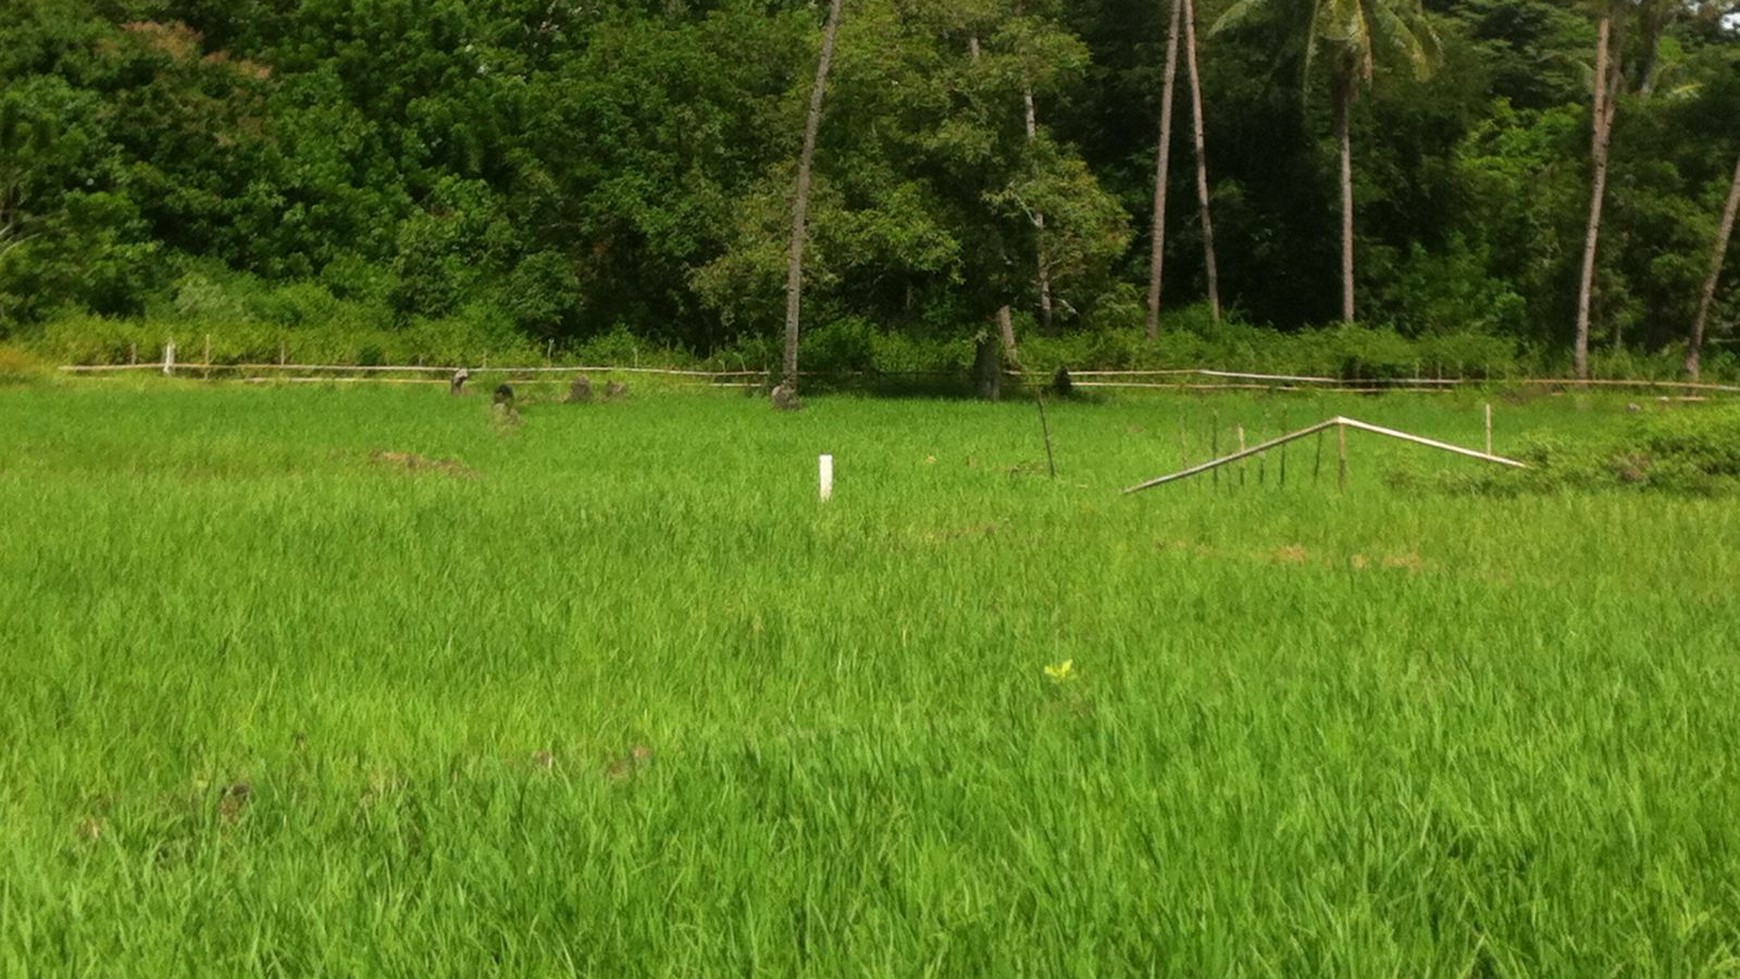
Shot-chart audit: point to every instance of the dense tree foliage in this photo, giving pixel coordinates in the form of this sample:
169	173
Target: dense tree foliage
561	170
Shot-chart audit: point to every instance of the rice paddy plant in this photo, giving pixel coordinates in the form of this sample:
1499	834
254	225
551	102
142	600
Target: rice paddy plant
358	680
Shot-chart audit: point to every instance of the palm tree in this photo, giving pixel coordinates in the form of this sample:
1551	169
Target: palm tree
1695	350
1195	77
1351	34
1162	159
794	283
1606	92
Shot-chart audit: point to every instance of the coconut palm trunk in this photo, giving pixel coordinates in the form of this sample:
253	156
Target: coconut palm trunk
794	281
1162	158
1344	88
1195	78
1601	128
1723	233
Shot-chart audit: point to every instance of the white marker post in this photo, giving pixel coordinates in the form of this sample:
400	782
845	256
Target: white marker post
825	473
169	357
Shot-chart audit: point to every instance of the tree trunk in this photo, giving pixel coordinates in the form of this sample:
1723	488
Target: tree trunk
1006	330
1601	122
1344	88
1162	158
794	281
1720	251
1044	261
988	367
1213	279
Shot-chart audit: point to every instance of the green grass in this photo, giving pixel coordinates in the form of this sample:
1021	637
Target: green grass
1360	733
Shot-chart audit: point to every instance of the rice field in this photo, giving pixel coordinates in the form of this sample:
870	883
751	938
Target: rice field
360	681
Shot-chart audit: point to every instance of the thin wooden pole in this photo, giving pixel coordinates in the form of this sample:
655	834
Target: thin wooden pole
1050	461
1489	428
1263	469
1341	452
1214	442
1241	429
1283	466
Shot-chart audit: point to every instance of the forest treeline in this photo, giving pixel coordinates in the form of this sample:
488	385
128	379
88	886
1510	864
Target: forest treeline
556	173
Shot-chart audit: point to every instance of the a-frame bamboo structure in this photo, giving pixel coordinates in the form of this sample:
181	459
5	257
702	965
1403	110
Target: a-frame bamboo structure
1337	422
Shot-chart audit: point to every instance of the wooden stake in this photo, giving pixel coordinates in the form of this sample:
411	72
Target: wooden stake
1044	426
1283	466
1341	453
1317	465
1214	442
1489	428
1241	429
1263	468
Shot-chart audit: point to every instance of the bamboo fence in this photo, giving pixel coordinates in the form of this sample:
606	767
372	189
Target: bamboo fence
1179	379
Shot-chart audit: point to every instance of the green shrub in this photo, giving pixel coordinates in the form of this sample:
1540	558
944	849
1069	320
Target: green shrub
1363	353
18	366
1688	452
617	348
844	346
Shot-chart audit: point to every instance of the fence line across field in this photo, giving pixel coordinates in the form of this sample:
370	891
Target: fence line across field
1115	379
403	369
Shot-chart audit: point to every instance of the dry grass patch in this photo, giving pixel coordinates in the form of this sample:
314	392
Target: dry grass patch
412	462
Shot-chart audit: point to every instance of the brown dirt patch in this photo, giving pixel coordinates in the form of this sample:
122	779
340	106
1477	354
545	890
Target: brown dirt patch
1291	554
961	533
1409	562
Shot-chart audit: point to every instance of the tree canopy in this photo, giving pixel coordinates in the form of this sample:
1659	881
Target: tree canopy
564	170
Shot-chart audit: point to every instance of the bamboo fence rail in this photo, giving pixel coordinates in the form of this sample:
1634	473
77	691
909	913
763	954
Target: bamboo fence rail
1178	379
